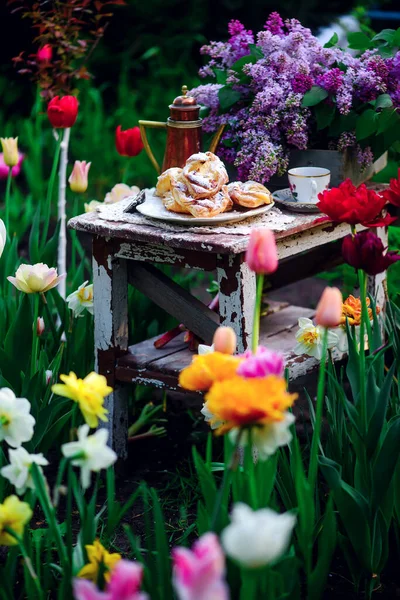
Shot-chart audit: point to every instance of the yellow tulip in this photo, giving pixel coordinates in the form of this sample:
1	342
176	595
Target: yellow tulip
10	151
78	180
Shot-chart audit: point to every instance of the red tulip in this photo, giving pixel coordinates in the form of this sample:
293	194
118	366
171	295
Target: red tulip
392	194
261	254
44	54
349	204
366	251
129	142
62	112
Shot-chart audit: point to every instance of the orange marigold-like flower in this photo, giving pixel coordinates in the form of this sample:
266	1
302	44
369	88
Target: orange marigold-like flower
207	368
241	402
351	310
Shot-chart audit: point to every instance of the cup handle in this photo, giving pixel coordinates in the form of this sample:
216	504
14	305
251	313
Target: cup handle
314	188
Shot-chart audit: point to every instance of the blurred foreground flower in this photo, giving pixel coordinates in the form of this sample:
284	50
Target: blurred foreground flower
353	205
309	339
124	583
261	364
10	151
16	422
44	54
36	278
62	112
78	180
15	171
329	308
198	573
207	368
366	251
18	471
81	299
128	142
92	205
268	438
89	393
90	453
392	194
224	340
40	326
257	538
119	192
261	254
14	514
3	236
99	558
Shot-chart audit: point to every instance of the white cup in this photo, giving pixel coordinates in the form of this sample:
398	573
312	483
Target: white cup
307	182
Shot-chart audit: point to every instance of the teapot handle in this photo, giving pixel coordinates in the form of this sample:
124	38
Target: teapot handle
143	133
216	139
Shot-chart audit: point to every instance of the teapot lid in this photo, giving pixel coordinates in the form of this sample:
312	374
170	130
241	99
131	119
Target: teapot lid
184	101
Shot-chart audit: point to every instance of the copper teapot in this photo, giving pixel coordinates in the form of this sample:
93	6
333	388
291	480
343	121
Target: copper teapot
184	133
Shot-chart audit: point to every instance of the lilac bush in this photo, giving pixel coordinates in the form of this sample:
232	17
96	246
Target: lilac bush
280	90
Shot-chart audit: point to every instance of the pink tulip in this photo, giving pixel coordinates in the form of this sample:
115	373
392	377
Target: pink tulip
261	254
124	584
15	170
198	573
261	364
329	309
224	340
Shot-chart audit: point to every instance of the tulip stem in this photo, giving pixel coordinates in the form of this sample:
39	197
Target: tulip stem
62	217
50	320
313	468
50	188
7	202
257	312
35	337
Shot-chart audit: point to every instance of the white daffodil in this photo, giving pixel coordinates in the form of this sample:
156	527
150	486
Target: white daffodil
204	349
309	339
80	299
90	453
92	206
16	422
257	538
18	471
208	417
268	438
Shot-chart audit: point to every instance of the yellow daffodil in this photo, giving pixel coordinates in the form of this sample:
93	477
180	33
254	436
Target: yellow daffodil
10	151
15	515
98	556
89	393
207	368
239	402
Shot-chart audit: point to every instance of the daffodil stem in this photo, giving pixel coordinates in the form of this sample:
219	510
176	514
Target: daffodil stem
313	468
229	469
50	320
35	337
27	561
257	312
50	189
7	202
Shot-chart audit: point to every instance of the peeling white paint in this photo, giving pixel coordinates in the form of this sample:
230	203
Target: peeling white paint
102	307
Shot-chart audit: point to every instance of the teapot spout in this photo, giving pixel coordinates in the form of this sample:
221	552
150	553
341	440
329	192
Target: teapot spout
216	139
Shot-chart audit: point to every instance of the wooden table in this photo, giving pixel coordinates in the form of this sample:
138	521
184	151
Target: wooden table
126	254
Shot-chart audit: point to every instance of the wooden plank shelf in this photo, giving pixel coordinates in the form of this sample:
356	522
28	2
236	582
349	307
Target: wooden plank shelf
145	364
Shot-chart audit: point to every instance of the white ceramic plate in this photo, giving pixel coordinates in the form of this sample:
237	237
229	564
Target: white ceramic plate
153	207
285	200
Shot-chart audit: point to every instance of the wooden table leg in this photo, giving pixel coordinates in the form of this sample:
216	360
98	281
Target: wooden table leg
110	292
237	292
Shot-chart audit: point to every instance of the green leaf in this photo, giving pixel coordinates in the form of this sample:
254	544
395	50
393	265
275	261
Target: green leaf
228	97
256	51
378	418
314	96
385	463
220	76
333	41
18	342
383	101
49	252
387	35
358	41
325	115
326	547
366	124
34	254
396	38
241	62
343	123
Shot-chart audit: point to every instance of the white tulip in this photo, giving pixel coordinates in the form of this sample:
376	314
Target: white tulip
257	538
90	453
268	438
3	236
80	299
18	471
16	422
309	339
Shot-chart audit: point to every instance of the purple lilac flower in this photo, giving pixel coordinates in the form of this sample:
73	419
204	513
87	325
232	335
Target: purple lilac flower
261	364
274	24
301	83
331	81
240	39
365	157
346	140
